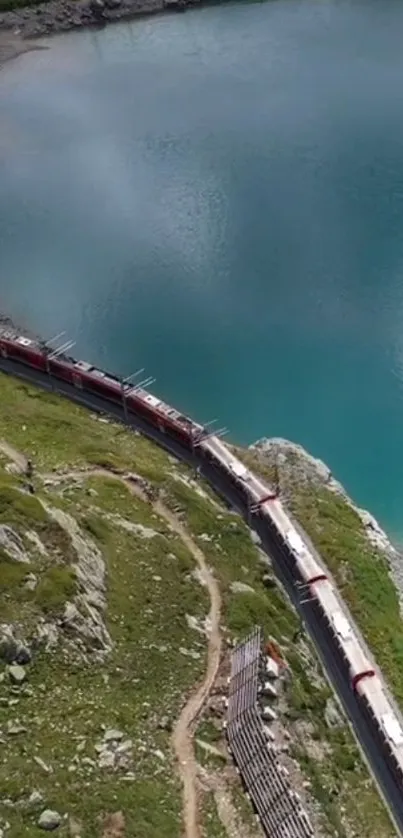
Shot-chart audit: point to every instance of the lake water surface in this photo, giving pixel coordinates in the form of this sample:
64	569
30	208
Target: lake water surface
218	196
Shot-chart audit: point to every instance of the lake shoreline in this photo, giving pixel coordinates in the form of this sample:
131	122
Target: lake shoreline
19	28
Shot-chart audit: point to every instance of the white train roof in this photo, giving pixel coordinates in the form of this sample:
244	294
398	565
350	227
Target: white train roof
383	709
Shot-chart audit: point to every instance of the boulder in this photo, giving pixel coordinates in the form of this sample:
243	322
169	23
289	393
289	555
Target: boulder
49	820
17	674
8	645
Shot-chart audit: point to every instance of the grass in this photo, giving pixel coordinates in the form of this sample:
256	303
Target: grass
334	784
150	590
212	826
362	575
57	585
11	574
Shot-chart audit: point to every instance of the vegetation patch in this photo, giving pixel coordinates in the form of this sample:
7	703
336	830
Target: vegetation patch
362	575
56	586
68	704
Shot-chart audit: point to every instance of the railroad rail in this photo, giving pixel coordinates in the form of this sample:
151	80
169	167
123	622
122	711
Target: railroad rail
373	714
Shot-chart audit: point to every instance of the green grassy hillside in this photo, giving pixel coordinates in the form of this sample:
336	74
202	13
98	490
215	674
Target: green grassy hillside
103	582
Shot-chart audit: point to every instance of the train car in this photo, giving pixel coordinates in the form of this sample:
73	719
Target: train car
380	714
168	420
22	349
217	453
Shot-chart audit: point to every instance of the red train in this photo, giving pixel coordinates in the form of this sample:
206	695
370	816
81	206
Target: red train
84	376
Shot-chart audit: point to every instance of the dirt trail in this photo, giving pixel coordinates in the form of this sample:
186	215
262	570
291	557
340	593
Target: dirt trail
182	737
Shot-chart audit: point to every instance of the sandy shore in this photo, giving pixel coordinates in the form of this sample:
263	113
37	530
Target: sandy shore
19	28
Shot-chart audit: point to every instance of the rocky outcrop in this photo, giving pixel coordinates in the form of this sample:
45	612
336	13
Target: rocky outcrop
12	544
84	616
62	15
292	460
293	466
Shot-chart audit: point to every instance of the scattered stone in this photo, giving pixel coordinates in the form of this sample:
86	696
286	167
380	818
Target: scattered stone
14	728
17	674
333	716
194	624
46	768
189	653
241	588
113	735
210	749
106	759
35	798
137	530
8	644
49	820
30	582
255	538
114	752
23	656
164	723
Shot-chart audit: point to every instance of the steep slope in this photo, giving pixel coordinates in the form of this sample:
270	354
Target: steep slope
122	582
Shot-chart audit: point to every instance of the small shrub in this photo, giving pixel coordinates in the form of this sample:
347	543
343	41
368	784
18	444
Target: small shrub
56	586
11	573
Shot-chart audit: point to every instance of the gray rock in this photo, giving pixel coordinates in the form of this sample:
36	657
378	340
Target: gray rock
164	723
13	544
189	653
46	768
8	645
241	588
35	798
14	728
49	820
113	735
31	582
23	655
17	674
46	635
106	759
333	716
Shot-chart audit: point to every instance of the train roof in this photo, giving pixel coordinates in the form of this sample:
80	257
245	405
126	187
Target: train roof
9	334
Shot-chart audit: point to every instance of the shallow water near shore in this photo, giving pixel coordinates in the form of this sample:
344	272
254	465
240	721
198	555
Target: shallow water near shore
218	196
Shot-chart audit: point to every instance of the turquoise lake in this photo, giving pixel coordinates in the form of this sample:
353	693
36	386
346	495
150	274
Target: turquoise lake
218	197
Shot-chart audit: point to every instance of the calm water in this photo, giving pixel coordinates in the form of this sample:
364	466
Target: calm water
218	197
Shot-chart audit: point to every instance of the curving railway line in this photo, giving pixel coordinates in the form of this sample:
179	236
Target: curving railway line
348	663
